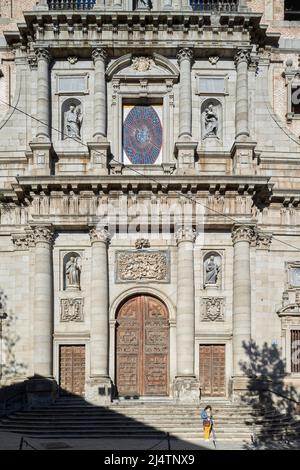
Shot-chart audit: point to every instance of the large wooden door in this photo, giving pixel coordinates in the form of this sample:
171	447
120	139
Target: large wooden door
212	370
72	369
142	347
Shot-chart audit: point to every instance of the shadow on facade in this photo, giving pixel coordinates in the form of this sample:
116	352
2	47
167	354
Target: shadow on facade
44	414
270	392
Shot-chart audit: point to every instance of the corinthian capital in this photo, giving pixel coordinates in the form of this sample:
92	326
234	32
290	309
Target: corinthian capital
185	54
185	234
43	234
43	54
242	56
100	53
242	233
99	235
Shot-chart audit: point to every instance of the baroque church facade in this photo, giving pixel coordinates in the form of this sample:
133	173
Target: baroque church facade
149	182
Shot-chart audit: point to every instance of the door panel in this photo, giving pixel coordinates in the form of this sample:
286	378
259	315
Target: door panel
142	347
72	369
212	370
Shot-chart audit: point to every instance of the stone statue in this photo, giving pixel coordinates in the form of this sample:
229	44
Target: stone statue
212	271
143	4
73	122
211	122
73	270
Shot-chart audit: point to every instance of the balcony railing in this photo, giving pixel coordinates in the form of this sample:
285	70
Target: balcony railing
215	5
71	4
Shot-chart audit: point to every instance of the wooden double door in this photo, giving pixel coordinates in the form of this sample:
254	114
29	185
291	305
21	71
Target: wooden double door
212	370
72	369
142	347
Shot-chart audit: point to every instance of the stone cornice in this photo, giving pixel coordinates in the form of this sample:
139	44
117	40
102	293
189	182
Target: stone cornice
49	26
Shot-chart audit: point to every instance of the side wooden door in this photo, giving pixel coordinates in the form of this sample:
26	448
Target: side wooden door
212	370
72	369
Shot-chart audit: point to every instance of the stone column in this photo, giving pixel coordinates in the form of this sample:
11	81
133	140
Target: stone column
43	301
186	386
242	237
100	114
185	57
43	95
242	61
99	343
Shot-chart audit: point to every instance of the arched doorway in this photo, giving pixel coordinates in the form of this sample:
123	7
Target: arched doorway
142	347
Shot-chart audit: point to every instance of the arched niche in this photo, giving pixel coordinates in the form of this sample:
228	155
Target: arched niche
72	267
211	119
212	269
72	119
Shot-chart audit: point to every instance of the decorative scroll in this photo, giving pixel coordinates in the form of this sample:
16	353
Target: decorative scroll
142	265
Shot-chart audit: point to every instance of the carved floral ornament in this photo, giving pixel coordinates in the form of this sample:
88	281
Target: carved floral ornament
185	54
185	234
43	234
43	54
99	235
100	54
242	56
242	234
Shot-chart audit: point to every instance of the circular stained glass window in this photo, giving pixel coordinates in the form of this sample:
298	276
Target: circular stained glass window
142	135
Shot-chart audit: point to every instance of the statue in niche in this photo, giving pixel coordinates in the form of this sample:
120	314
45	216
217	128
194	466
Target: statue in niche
73	122
73	271
211	122
143	4
212	270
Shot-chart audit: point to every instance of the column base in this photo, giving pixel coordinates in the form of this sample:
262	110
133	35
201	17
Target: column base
41	392
186	390
99	391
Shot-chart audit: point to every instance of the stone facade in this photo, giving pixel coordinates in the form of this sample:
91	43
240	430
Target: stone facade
210	228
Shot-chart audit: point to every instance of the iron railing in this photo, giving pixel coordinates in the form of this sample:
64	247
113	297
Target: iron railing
215	5
71	4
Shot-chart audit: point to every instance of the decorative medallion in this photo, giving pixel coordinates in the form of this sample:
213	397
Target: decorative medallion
142	64
142	265
142	135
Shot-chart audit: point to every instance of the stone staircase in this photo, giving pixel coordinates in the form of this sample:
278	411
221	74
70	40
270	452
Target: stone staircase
73	418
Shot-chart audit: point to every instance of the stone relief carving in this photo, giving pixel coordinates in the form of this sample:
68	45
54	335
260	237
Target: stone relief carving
72	271
214	60
139	266
213	309
73	121
212	269
143	4
142	243
142	64
71	310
